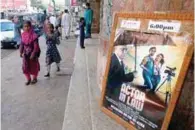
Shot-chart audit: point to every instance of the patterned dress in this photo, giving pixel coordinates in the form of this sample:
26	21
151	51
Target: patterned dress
52	53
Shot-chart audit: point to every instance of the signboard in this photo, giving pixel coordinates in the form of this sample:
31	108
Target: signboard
73	2
13	4
147	62
50	8
129	24
164	26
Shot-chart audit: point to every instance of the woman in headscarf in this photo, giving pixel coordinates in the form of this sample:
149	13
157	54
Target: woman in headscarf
30	51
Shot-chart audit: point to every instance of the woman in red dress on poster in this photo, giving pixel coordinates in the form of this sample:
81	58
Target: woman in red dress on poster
30	51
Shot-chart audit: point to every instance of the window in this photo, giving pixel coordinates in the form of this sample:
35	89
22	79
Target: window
7	26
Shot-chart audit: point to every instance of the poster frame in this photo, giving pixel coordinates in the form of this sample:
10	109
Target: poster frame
182	73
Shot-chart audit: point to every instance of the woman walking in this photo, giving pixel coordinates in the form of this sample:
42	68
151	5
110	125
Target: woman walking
30	51
52	53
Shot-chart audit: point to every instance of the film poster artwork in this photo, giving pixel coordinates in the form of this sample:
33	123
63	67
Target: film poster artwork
142	76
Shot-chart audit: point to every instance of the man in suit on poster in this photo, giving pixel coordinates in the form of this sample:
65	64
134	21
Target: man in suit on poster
117	76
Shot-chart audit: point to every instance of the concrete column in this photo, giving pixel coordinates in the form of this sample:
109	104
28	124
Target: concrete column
95	6
67	4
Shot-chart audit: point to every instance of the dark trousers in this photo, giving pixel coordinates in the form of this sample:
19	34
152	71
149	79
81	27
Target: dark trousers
82	39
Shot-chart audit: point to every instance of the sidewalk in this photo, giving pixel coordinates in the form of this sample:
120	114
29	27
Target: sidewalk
40	106
82	109
63	102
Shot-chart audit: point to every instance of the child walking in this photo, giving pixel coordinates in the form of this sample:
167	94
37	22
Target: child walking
30	51
82	32
52	53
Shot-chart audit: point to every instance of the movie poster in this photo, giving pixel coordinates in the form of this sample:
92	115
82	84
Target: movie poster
145	65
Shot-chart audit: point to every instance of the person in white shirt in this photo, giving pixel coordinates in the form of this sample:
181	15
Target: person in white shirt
66	22
52	20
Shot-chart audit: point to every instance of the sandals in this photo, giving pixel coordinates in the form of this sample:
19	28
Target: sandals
28	82
58	69
34	81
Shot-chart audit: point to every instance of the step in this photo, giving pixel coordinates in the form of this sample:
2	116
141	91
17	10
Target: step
82	110
100	121
77	111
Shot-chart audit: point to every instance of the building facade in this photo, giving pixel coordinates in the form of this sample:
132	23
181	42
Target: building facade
14	4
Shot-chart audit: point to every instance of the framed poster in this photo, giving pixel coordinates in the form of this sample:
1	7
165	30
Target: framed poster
147	62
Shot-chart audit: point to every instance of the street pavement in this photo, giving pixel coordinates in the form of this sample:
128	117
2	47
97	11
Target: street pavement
40	106
6	52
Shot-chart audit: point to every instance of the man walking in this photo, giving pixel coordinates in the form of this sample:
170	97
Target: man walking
88	15
52	20
17	30
66	21
58	23
42	17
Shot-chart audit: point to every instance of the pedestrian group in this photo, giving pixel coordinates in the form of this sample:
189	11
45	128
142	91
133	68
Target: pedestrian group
54	27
